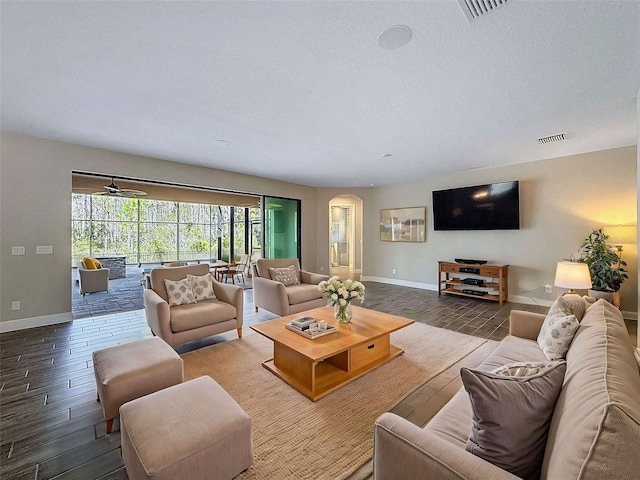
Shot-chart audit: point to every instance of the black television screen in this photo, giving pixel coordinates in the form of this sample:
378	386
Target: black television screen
495	206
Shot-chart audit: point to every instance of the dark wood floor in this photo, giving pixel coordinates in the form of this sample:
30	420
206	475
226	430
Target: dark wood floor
51	425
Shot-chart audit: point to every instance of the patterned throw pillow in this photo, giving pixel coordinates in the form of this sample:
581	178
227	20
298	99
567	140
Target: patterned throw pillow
524	369
179	292
286	275
512	415
202	287
575	304
558	330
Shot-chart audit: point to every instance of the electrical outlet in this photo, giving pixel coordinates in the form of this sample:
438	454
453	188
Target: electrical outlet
393	271
322	269
20	250
44	250
15	305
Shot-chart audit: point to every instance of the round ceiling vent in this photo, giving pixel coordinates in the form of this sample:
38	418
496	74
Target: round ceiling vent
394	37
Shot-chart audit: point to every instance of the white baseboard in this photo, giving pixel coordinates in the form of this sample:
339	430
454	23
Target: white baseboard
23	323
402	283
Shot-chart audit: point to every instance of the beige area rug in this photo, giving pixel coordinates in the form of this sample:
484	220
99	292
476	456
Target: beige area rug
295	438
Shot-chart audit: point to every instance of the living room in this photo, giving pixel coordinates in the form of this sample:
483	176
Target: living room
565	192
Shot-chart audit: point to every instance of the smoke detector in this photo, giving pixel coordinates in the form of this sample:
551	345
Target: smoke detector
552	138
473	9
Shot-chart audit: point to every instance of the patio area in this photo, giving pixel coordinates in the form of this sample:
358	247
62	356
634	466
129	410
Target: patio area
124	295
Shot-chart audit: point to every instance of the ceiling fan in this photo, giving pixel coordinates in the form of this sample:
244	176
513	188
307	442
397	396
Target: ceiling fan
113	190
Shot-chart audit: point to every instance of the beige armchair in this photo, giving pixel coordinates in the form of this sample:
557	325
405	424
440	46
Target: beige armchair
95	280
284	300
182	323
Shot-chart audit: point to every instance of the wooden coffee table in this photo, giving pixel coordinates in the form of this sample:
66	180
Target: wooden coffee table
317	367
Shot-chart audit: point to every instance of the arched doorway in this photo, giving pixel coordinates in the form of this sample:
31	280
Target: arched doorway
345	237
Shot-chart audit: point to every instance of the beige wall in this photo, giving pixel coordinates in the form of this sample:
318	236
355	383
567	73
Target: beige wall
35	209
562	201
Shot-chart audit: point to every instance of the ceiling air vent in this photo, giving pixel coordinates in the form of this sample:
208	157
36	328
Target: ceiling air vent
552	138
473	9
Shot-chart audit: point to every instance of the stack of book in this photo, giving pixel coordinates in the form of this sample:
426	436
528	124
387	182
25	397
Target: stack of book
307	327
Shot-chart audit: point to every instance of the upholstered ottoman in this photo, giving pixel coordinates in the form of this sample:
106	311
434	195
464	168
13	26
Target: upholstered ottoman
131	370
194	430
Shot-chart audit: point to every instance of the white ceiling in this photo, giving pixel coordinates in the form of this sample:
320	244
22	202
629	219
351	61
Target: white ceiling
303	93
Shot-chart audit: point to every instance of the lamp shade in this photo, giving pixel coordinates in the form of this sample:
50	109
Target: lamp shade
572	275
621	234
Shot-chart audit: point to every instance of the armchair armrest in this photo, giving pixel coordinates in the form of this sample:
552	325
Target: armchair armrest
233	295
525	324
312	278
157	312
402	450
270	295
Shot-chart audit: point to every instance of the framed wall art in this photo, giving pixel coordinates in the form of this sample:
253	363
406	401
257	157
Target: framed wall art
403	224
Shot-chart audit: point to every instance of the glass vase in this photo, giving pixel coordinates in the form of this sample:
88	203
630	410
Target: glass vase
342	313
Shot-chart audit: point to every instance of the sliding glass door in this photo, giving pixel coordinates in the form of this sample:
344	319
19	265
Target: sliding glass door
281	228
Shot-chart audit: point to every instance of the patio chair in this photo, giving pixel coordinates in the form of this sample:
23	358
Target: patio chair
92	280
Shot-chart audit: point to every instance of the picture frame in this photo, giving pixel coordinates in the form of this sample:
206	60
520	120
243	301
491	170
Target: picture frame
407	224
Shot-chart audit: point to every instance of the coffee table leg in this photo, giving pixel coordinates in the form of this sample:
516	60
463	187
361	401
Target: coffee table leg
297	370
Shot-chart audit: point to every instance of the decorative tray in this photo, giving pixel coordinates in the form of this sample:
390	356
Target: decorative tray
305	333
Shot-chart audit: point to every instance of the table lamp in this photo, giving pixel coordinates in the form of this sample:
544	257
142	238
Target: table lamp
572	275
620	235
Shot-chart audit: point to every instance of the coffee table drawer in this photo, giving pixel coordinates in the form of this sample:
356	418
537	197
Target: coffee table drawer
364	354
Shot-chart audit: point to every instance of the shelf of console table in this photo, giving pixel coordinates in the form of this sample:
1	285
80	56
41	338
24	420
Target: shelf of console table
451	275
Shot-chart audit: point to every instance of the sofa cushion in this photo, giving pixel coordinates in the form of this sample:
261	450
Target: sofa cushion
202	286
557	330
511	417
595	429
179	292
201	314
302	292
513	349
285	275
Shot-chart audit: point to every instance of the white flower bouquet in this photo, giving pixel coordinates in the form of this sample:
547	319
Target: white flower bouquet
341	294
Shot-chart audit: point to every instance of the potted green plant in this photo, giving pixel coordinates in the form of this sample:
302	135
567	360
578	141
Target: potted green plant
605	266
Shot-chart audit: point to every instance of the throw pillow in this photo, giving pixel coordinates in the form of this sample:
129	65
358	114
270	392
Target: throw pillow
524	369
511	417
179	292
89	263
575	304
285	275
558	330
202	286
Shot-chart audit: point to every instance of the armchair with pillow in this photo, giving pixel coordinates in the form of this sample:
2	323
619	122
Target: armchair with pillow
92	276
187	303
280	287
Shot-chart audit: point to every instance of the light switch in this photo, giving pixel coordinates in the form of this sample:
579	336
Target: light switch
44	249
18	250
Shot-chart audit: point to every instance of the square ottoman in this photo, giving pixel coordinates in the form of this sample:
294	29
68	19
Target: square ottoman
131	370
194	430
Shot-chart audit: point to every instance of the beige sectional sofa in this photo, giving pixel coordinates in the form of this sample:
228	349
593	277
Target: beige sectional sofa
595	427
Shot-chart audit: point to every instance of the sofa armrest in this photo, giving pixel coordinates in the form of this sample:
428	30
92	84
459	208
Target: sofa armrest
156	309
402	450
312	278
525	324
270	295
233	295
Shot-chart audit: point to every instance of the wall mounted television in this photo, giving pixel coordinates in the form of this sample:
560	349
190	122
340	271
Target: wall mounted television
495	206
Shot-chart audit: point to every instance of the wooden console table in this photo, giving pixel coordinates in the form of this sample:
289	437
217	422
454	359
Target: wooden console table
488	282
